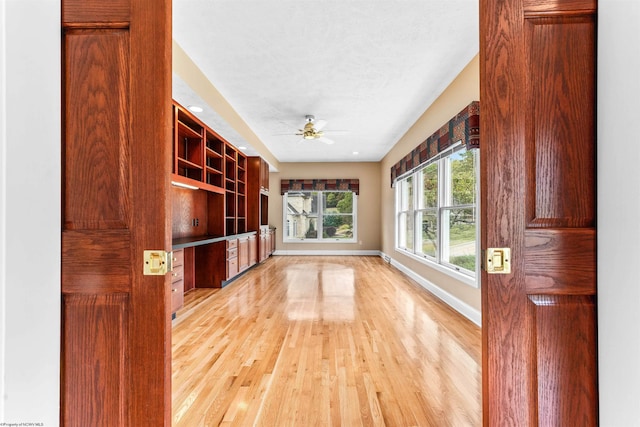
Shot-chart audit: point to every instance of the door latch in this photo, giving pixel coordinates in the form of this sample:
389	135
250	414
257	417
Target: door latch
498	260
157	263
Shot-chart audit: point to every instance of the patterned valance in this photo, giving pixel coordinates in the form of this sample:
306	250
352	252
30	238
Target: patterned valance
320	185
465	126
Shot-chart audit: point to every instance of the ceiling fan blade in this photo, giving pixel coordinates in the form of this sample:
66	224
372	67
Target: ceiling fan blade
326	140
337	132
319	124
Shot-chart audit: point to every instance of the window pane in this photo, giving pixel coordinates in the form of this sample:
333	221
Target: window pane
406	194
320	215
462	186
338	202
303	203
405	231
430	186
429	234
459	237
337	226
302	212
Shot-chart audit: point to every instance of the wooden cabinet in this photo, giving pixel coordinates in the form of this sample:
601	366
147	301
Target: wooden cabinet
232	258
272	241
188	142
262	244
257	193
177	280
264	175
243	253
214	159
218	192
253	250
205	161
235	201
267	243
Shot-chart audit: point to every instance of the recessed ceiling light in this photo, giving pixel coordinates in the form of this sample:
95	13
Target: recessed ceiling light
195	108
242	148
355	153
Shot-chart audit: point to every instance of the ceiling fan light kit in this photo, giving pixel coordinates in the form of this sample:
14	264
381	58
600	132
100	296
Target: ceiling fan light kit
313	132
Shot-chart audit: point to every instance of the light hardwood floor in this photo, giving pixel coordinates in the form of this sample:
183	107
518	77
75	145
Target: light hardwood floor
324	341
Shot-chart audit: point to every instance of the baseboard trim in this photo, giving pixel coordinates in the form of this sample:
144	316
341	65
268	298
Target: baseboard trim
460	306
328	252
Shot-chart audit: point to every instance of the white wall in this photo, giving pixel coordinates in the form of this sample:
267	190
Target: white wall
618	212
30	211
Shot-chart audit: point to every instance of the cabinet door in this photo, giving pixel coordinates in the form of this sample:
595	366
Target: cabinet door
243	253
267	244
263	246
253	250
264	174
272	241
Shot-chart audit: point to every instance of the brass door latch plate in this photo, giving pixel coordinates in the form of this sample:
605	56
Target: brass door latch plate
157	263
498	260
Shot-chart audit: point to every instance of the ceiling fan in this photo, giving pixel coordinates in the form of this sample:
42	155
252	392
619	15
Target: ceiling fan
313	130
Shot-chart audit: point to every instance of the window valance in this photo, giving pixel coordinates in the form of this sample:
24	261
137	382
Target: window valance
320	185
464	126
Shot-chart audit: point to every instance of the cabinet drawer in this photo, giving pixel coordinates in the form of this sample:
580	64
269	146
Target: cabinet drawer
177	295
232	253
232	267
232	243
177	273
178	257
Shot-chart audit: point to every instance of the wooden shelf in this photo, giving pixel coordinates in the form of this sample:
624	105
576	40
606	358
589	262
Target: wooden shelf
188	164
219	191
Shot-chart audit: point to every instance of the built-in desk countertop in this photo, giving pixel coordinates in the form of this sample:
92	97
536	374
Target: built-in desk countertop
186	242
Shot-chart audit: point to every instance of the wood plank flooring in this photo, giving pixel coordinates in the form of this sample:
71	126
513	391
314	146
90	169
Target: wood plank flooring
324	341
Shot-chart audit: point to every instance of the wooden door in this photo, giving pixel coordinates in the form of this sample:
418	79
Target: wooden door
537	93
116	338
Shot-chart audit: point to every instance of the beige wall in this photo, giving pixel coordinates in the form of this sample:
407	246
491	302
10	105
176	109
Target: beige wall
460	93
368	220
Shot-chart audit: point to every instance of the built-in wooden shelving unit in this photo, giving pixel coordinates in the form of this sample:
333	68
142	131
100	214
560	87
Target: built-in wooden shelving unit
219	206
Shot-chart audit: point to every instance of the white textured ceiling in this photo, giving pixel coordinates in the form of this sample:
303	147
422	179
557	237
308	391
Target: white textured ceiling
369	68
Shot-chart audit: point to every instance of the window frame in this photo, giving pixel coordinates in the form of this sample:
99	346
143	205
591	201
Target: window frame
443	205
319	215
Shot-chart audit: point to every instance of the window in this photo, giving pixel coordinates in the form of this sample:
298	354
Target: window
436	210
320	216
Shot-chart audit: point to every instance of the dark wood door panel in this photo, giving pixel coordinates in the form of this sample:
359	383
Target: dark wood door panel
116	74
561	121
558	261
96	12
96	142
104	338
537	88
565	345
96	261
